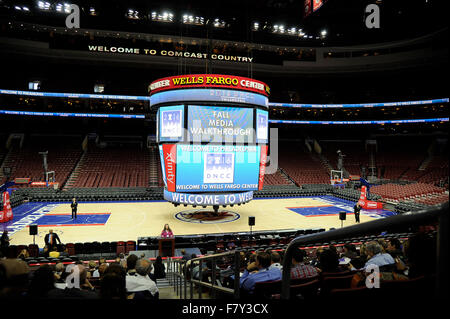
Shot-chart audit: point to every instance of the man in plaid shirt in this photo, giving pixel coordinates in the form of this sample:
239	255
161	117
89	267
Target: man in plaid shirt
299	270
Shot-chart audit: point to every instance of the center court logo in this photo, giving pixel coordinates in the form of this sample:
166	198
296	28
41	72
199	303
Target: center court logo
205	216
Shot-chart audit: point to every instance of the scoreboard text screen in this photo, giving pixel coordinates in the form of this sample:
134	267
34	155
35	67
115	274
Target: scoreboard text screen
218	168
211	123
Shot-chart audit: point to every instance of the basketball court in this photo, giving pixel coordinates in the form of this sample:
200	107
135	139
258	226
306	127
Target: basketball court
113	221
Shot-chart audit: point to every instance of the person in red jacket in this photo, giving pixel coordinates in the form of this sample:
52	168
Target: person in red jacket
166	232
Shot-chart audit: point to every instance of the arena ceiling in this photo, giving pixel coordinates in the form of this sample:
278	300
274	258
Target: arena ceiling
262	21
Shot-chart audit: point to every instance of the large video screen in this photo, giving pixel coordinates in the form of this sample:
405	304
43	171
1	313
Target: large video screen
171	123
217	124
207	168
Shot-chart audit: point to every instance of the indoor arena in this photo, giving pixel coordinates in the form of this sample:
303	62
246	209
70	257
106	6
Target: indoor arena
229	152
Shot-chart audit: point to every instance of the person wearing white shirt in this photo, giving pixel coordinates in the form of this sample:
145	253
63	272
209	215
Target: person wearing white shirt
140	284
275	261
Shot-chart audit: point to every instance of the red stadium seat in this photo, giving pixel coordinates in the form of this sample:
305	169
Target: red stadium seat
121	248
130	246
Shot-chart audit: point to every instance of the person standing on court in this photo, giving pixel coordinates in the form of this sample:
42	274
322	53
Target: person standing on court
166	232
74	206
50	240
357	210
4	243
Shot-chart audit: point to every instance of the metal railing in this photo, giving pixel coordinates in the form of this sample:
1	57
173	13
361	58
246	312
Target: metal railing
183	276
438	213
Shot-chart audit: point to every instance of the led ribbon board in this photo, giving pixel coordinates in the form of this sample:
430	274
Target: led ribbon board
441	119
76	95
209	95
60	114
364	105
209	81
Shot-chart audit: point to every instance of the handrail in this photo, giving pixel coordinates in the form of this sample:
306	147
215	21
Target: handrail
438	212
181	277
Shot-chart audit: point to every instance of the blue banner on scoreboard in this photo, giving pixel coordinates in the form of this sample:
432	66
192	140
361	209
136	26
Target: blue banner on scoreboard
217	124
171	123
262	126
218	168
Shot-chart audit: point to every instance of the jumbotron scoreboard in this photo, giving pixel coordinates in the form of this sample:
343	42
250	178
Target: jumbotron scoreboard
212	132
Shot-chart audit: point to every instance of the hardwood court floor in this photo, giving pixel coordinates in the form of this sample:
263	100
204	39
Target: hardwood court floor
114	221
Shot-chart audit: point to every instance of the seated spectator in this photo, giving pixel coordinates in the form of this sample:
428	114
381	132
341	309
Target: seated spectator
113	283
263	274
42	281
394	248
251	260
43	252
23	254
92	266
131	264
185	256
121	260
420	253
207	273
159	270
328	261
54	253
231	245
300	270
100	271
275	261
227	274
75	291
59	273
383	244
187	265
64	252
140	285
333	249
13	278
196	270
376	256
349	251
